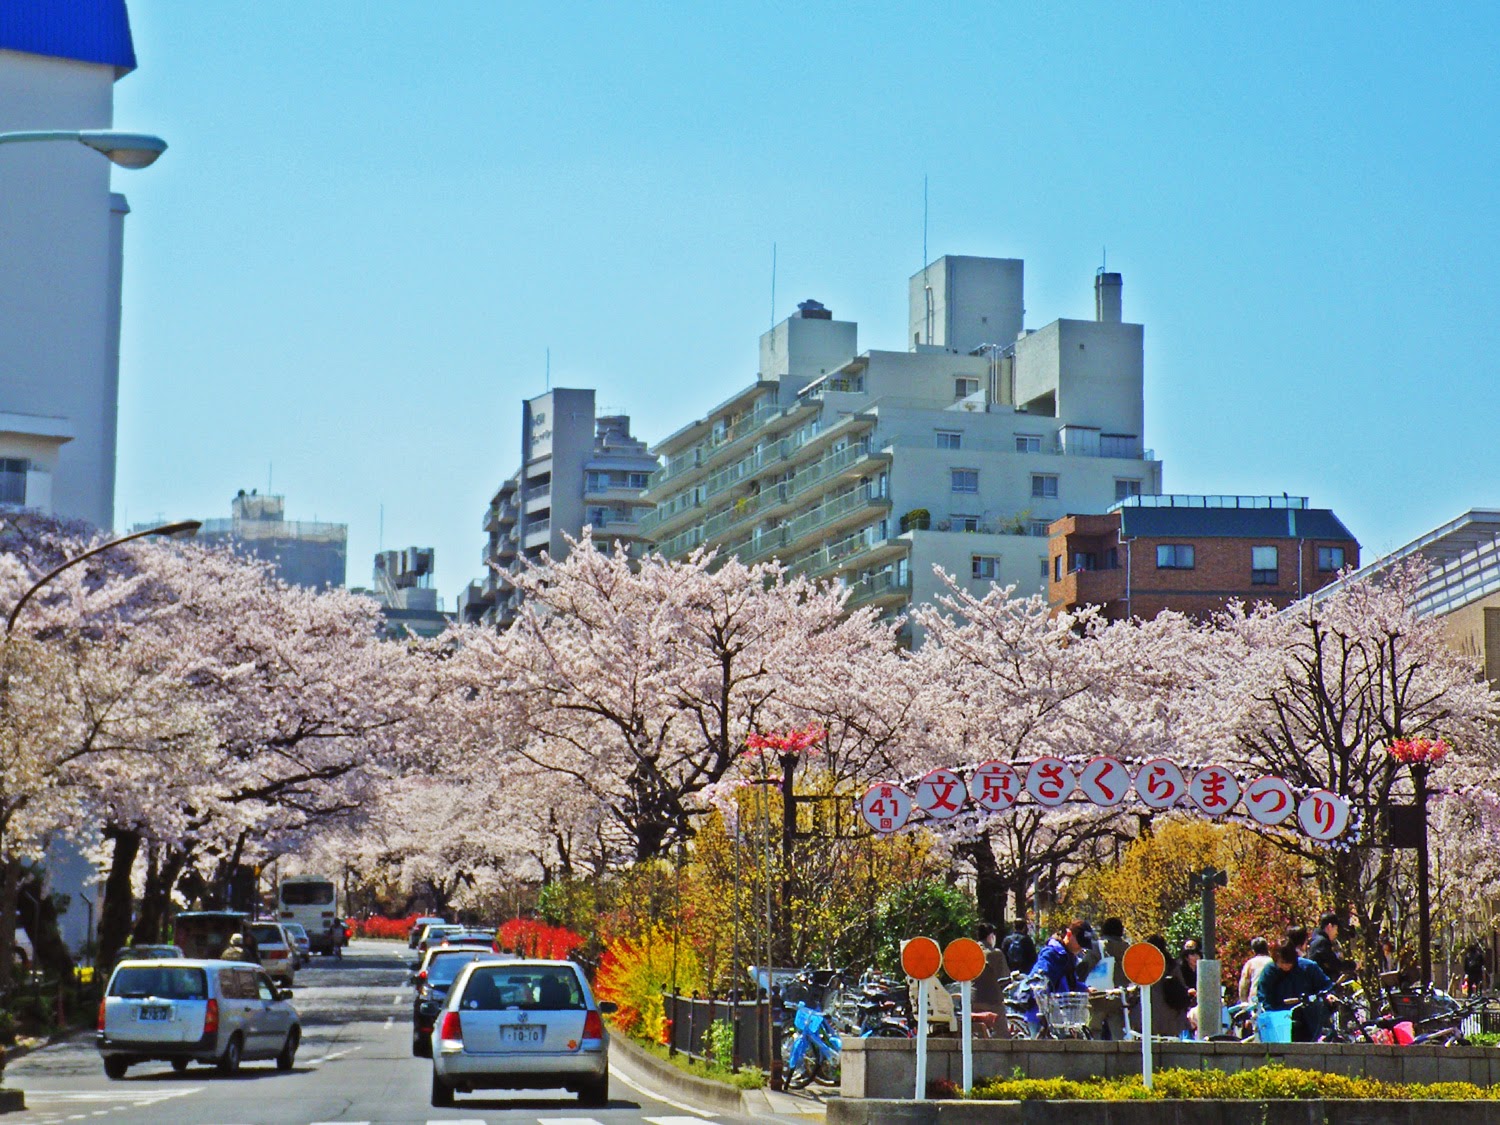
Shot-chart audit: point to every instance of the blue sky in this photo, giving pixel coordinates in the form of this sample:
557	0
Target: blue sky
375	218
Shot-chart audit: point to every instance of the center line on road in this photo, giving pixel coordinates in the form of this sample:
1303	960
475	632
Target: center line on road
396	1000
389	1020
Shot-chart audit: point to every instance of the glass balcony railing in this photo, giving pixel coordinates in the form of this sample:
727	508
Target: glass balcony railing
831	510
533	528
890	581
682	544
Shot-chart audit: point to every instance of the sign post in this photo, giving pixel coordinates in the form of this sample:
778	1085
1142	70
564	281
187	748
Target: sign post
1210	1007
920	959
964	961
1144	965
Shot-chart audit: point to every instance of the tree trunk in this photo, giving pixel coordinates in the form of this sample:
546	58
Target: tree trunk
10	886
150	925
115	910
39	911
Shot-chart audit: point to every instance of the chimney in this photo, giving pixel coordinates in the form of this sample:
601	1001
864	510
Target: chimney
1107	288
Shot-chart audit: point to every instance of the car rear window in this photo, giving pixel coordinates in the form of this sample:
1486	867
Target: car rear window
266	935
444	967
160	981
549	988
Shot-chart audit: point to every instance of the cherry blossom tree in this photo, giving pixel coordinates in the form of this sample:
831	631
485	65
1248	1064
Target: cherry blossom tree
639	681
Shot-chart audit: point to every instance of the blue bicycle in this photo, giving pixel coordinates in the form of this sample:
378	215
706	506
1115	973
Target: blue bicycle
812	1052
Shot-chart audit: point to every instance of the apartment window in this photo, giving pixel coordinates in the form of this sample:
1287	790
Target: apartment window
1125	488
985	566
949	439
1085	560
1174	556
1329	558
1263	566
598	516
1043	561
963	387
1117	445
13	472
1057	568
1043	486
965	480
639	480
964	523
1028	443
1038	528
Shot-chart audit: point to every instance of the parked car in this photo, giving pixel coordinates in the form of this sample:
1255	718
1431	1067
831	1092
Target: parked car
301	942
149	953
520	1024
277	951
432	981
420	924
189	1010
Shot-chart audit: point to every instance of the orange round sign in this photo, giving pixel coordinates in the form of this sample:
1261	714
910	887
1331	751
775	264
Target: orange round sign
1144	964
921	958
963	959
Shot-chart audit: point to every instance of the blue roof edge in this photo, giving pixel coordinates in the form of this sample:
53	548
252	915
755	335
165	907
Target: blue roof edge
92	31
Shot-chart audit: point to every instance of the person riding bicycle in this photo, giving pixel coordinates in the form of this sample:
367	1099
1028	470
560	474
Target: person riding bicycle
1298	984
1057	963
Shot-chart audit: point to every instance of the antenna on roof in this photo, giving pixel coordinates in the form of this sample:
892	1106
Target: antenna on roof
773	285
549	369
924	221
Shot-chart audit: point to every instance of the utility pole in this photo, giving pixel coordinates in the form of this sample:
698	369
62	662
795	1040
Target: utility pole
1210	978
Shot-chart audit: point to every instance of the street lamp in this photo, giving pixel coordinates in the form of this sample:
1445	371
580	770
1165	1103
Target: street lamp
128	150
183	527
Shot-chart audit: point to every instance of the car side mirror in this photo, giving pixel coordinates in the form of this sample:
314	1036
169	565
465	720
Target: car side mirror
608	1007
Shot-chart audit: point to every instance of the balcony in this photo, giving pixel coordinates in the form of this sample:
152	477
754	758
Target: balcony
676	466
682	544
887	586
857	550
537	533
756	548
491	520
747	508
848	508
669	513
508	512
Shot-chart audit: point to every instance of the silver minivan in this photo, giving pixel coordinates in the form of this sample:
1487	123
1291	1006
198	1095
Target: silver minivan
184	1011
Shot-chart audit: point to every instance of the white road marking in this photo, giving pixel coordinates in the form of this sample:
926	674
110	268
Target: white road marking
674	1120
129	1097
569	1121
333	1055
396	1000
456	1121
654	1096
338	1123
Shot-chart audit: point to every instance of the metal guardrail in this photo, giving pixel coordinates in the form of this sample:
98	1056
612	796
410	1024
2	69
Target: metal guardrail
689	1019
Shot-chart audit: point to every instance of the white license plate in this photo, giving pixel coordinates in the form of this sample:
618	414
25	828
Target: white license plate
155	1013
522	1033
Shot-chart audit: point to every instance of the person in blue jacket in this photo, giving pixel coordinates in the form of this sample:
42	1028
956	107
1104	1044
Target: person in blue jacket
1057	963
1286	983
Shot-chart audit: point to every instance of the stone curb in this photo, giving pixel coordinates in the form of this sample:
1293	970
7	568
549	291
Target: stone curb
890	1111
706	1090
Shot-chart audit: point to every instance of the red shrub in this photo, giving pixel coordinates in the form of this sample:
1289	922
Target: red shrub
383	927
532	938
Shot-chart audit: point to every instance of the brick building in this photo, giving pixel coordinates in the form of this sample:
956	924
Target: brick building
1194	554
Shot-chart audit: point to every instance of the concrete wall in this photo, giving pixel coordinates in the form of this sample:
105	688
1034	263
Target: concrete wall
886	1068
1091	373
1474	630
974	301
803	348
1184	1112
60	236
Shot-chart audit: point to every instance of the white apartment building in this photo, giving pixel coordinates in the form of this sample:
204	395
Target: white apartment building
577	470
873	467
61	237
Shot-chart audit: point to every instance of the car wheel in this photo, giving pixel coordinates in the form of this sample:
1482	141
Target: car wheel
288	1054
229	1061
442	1093
115	1068
595	1093
179	1065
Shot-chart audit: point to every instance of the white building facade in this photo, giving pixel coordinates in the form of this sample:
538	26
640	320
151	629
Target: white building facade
578	470
874	467
61	237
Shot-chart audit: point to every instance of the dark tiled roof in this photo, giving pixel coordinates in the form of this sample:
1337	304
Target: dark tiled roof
1232	523
95	31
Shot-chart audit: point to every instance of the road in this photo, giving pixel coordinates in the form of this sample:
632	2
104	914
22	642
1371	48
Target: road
355	1066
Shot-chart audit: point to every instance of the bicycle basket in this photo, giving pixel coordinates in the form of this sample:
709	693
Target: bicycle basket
1068	1009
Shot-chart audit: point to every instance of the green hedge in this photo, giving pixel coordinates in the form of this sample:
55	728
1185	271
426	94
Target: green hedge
1263	1083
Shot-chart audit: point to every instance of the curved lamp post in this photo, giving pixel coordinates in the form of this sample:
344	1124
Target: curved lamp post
128	150
184	527
1421	754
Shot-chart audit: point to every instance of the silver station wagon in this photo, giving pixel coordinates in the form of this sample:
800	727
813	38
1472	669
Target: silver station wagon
184	1011
521	1025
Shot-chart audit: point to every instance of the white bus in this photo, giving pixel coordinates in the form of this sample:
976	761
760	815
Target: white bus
312	900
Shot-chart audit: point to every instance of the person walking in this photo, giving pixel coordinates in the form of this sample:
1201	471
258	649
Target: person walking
1260	957
1476	965
1107	1013
1323	949
1019	949
989	986
1169	998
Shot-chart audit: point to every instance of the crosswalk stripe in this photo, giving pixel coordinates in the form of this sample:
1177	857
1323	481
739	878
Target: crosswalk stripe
675	1120
457	1121
568	1121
